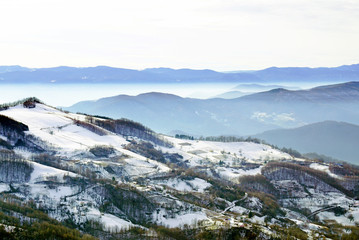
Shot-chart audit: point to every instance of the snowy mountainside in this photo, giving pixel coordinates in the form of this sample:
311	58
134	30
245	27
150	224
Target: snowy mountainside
58	128
89	175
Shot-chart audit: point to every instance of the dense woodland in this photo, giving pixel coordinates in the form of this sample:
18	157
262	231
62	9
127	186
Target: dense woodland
129	128
13	168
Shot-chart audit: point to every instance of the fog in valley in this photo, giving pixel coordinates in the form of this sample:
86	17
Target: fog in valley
65	95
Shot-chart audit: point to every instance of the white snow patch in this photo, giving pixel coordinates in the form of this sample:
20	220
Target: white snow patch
4	187
234	174
257	219
55	194
324	168
231	153
239	209
196	184
339	219
23	152
59	192
254	202
3	137
178	184
180	220
199	184
42	172
143	166
8	228
111	222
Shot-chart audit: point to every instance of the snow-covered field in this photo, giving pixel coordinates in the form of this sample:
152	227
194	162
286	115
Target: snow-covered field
230	153
4	187
194	185
111	222
190	218
342	219
142	166
43	173
233	174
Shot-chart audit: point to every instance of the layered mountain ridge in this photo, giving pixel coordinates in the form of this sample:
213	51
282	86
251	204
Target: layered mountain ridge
105	74
331	138
261	111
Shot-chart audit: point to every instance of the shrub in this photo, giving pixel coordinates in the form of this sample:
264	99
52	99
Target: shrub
147	150
102	150
91	127
257	183
323	176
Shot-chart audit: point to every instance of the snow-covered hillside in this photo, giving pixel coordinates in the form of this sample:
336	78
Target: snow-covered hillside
229	152
60	131
58	128
123	181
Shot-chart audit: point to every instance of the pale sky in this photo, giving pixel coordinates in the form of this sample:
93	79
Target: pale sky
222	35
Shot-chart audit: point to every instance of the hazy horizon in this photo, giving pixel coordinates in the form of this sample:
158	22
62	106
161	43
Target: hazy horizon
220	35
179	68
235	70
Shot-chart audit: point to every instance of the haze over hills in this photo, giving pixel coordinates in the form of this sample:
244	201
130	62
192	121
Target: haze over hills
13	68
247	115
231	94
104	74
338	92
250	88
255	87
335	139
167	112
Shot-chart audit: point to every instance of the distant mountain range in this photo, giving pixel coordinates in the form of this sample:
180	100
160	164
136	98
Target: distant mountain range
253	87
335	139
337	92
14	68
247	115
104	74
250	88
231	94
